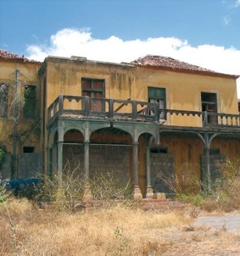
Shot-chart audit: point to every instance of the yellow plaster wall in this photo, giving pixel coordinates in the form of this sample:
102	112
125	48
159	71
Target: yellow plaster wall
28	75
183	92
64	77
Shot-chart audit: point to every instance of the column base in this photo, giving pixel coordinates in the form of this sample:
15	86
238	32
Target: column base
137	193
149	193
87	193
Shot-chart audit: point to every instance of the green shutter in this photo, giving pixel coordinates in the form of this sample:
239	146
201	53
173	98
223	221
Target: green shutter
156	93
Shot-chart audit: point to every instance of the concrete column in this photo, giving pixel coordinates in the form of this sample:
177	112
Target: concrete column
207	152
54	158
87	190
149	193
48	162
86	159
137	192
59	161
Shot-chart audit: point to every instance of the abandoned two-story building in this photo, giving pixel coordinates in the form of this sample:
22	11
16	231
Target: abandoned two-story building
143	121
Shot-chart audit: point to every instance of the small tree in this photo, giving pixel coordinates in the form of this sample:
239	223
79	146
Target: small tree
16	99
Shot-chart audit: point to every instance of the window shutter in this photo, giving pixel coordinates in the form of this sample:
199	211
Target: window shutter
156	93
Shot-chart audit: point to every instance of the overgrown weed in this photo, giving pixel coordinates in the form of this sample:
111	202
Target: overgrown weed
118	230
225	189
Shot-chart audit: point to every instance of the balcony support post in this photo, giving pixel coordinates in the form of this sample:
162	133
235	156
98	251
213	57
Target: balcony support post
207	153
137	192
149	190
87	190
59	161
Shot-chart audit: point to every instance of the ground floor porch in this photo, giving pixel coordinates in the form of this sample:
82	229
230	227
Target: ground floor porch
153	158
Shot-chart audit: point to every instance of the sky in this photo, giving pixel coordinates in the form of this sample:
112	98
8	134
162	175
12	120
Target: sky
201	32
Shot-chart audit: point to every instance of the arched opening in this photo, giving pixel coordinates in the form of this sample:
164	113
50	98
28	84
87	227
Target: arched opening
162	168
73	152
110	157
144	164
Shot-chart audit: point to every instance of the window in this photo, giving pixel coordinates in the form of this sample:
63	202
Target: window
158	95
94	88
213	151
162	150
3	99
28	149
29	107
209	104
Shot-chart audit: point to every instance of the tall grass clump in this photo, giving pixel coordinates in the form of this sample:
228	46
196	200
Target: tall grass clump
111	231
75	190
185	184
225	194
64	194
109	188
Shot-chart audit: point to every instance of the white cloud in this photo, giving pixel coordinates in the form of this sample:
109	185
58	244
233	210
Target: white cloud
237	3
227	20
68	42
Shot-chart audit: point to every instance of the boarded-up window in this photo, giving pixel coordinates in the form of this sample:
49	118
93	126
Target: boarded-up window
29	107
3	99
94	88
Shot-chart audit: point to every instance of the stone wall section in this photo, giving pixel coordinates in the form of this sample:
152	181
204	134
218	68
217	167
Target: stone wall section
103	159
6	167
162	168
29	165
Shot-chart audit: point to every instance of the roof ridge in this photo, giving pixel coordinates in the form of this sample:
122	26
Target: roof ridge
175	64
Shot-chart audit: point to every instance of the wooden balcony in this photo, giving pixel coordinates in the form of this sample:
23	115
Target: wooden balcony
86	108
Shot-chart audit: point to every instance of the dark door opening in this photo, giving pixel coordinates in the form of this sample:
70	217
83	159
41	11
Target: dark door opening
209	104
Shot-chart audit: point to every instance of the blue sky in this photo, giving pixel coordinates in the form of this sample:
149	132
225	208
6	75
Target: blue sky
201	32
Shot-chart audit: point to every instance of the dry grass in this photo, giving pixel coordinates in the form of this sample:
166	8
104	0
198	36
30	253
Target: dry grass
27	230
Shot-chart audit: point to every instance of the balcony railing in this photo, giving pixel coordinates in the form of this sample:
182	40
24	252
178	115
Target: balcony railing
130	110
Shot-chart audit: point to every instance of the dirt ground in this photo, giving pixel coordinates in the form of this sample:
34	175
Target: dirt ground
207	235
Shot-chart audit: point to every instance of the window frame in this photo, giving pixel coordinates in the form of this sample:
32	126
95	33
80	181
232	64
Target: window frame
158	99
210	105
30	100
92	91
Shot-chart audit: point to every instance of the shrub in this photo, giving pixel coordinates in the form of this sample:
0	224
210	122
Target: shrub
185	182
107	186
73	189
64	195
225	193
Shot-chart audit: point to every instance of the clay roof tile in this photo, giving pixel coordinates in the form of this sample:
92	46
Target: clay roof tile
170	63
6	55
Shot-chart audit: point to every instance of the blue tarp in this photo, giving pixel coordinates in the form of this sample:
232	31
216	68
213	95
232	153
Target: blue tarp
13	184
